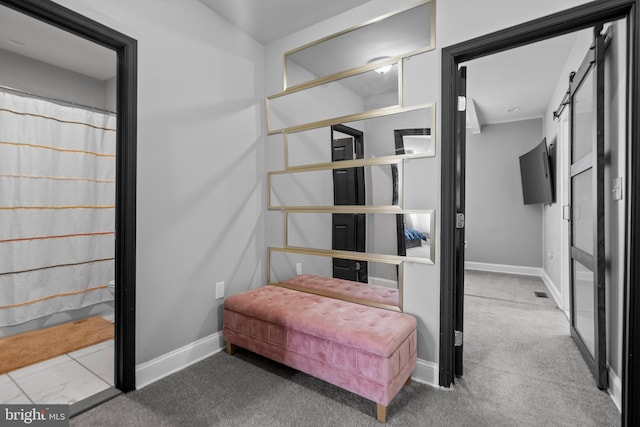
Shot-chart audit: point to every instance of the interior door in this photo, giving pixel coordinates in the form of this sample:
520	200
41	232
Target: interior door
461	129
348	235
586	238
348	230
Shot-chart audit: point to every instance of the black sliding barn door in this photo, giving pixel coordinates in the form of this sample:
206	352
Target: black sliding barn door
587	251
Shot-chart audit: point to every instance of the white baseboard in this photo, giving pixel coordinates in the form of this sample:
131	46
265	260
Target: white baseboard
426	373
521	270
379	281
615	389
176	360
503	268
149	372
551	287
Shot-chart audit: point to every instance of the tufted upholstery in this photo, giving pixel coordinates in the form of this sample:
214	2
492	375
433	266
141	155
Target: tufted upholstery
366	350
345	288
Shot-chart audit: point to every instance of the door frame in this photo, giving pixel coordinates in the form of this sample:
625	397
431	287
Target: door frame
126	142
562	153
563	22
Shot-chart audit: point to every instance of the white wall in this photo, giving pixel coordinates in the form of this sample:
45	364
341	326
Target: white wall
46	80
110	93
201	177
499	227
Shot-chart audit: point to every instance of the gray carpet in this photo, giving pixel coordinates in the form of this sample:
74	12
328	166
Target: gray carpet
521	362
521	368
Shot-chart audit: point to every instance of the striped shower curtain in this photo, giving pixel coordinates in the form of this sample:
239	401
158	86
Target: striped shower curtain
57	196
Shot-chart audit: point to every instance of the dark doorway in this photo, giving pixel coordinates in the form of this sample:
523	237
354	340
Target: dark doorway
125	221
348	230
587	15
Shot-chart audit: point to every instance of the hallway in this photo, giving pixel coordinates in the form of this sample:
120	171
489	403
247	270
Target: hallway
520	363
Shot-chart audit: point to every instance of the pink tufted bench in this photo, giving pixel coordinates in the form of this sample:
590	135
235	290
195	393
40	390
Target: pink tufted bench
380	296
366	350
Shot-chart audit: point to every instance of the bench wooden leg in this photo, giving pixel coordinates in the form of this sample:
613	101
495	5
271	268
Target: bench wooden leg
408	381
382	413
231	349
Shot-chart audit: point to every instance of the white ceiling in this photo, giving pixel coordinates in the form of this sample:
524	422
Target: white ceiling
270	20
29	37
522	78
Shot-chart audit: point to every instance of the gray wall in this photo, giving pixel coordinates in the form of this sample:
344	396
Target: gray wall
499	228
40	78
201	191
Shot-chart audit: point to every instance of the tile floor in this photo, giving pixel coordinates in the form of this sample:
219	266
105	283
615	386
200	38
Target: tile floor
65	379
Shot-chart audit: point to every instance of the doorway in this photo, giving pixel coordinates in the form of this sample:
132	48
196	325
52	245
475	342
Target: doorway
453	152
348	229
125	213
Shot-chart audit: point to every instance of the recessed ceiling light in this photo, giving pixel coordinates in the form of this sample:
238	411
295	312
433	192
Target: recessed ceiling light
383	69
512	109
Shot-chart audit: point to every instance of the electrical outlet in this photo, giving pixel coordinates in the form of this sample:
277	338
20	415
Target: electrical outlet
298	268
219	290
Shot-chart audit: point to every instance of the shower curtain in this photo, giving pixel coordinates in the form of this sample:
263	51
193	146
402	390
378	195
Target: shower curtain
57	197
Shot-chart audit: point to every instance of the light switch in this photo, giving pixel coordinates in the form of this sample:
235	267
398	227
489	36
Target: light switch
617	188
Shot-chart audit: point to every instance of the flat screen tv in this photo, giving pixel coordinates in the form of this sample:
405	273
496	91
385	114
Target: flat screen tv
537	179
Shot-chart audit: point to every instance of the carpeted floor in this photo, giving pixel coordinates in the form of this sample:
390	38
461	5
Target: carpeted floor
521	368
521	362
